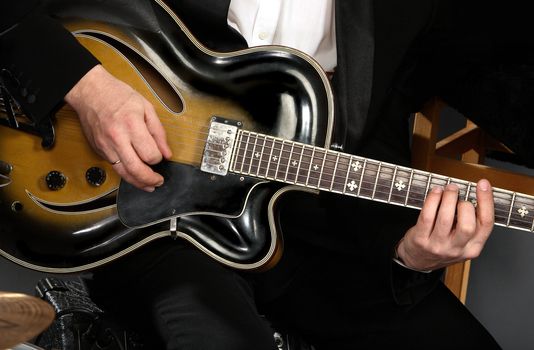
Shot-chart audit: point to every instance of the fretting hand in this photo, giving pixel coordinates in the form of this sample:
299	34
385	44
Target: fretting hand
121	126
448	230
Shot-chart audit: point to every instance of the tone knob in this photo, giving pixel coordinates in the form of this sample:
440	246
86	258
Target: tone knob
95	176
55	180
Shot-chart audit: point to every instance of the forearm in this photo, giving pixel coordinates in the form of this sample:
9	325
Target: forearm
40	62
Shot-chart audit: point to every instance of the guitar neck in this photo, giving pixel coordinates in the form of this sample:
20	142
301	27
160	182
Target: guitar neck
280	160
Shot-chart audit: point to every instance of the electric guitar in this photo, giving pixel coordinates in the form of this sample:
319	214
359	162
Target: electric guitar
245	128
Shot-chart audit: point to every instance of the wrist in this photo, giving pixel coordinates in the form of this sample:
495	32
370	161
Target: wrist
398	259
77	94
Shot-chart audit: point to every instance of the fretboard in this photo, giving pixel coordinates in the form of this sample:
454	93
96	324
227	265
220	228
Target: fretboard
275	159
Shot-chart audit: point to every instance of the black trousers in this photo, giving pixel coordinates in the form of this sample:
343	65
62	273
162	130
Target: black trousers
182	299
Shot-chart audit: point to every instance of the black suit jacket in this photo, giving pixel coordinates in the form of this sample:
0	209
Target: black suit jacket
392	56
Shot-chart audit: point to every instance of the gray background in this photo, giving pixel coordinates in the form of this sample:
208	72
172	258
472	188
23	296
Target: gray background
500	290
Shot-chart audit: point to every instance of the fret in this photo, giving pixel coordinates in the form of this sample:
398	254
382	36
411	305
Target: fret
270	158
510	212
253	154
299	163
310	166
260	158
392	184
342	173
418	189
255	162
315	169
409	188
240	153
400	186
347	177
278	159
503	205
322	170
428	185
462	186
262	168
334	173
306	162
466	198
296	153
384	182
236	154
361	176
289	160
522	213
376	180
244	154
368	179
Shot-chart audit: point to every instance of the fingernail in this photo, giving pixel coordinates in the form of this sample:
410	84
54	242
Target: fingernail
484	185
452	187
437	189
149	189
159	183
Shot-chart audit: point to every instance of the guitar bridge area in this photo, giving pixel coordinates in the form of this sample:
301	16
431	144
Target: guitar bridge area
219	145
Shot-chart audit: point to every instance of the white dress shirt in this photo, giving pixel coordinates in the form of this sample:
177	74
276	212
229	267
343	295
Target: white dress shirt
305	25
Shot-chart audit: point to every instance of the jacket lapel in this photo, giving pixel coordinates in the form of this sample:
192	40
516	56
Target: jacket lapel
353	78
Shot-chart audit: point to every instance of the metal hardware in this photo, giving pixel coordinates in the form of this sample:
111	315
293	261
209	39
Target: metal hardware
5	168
173	226
219	146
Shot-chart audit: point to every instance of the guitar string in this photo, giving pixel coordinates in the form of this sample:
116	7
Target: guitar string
198	127
200	148
417	196
374	163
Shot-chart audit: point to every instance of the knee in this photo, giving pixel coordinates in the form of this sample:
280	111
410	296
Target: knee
222	341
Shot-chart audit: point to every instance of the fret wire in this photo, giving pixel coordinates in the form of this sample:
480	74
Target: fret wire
235	154
467	192
245	153
412	179
376	180
448	180
334	173
279	159
511	208
322	170
269	160
409	187
252	158
361	176
261	156
392	184
289	160
300	162
309	167
427	185
347	176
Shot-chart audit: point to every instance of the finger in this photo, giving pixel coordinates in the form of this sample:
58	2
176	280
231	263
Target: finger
156	129
427	216
446	213
466	224
144	144
126	176
137	172
485	210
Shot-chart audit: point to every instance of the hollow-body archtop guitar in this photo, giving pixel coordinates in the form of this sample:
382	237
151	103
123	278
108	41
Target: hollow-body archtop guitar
245	127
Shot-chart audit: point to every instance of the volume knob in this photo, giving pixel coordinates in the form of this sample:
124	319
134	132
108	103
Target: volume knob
95	176
55	180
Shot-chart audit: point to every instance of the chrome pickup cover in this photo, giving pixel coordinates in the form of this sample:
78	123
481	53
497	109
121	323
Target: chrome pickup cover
219	146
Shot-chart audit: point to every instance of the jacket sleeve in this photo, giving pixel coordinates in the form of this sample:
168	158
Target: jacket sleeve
40	61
